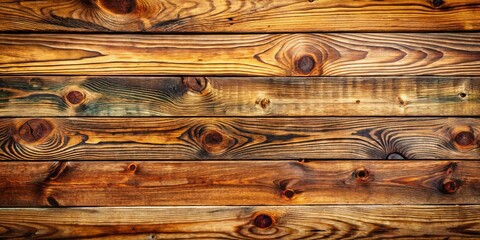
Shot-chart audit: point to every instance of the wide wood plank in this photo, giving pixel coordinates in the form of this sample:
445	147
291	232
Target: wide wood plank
238	96
239	15
238	138
248	222
254	55
147	183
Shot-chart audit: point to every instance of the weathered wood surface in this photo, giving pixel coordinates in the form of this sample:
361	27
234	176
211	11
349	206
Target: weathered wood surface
153	183
238	96
254	55
239	15
238	138
249	222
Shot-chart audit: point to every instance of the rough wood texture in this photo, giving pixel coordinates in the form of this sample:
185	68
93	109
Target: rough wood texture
313	222
147	183
239	15
254	55
238	138
238	96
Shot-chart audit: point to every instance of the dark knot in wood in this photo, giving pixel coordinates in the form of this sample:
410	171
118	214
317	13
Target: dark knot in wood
119	6
465	138
437	3
305	64
132	167
263	221
289	193
451	186
395	155
362	174
75	97
214	141
34	130
195	84
213	138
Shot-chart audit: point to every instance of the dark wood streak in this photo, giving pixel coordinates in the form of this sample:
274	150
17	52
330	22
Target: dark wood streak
121	183
241	138
345	54
239	96
293	222
239	16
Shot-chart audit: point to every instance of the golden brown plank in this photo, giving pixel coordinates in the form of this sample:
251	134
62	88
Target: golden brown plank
238	96
248	222
240	15
238	138
253	55
146	183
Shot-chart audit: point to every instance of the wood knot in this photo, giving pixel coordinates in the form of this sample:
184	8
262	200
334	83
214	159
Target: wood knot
305	64
263	221
195	84
451	186
465	138
75	97
362	175
288	193
119	6
396	156
35	130
437	3
263	102
53	202
214	141
462	95
132	167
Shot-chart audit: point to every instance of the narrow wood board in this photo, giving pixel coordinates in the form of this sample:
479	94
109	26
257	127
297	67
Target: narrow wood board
248	222
238	96
347	54
238	138
147	183
239	15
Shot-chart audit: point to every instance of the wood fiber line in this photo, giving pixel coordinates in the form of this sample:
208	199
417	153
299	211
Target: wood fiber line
239	15
238	96
253	55
238	138
153	183
293	222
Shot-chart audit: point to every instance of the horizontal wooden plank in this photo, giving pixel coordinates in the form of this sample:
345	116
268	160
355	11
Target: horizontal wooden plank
255	55
238	138
248	222
238	96
147	183
239	15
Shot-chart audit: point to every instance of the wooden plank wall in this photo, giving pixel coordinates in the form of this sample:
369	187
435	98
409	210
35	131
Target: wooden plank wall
239	119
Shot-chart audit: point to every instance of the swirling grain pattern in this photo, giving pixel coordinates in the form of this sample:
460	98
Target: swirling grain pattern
238	138
153	183
292	222
254	55
239	15
238	96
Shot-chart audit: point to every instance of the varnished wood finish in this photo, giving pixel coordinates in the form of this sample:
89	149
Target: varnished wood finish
238	138
153	183
312	222
240	15
253	55
238	96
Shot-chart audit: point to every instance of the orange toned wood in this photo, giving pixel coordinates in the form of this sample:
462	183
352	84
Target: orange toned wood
243	138
238	96
254	55
239	15
248	222
147	183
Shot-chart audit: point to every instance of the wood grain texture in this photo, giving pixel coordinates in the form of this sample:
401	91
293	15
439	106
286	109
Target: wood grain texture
153	183
313	222
238	138
239	15
238	96
253	55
